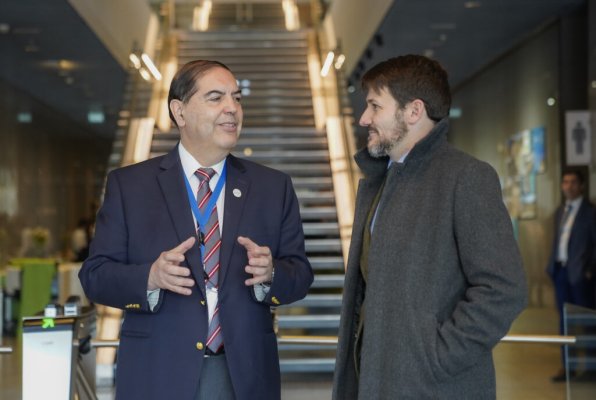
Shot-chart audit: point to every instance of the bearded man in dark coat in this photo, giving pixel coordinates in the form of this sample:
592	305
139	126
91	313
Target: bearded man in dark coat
434	276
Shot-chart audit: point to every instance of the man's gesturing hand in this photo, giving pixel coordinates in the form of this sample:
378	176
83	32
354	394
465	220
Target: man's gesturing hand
166	272
260	262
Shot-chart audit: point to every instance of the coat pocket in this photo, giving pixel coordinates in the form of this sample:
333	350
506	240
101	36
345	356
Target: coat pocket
136	325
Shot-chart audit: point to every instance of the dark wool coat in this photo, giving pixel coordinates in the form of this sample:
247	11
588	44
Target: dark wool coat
445	278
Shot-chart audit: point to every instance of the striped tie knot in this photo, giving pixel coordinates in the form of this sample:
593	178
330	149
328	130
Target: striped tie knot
205	174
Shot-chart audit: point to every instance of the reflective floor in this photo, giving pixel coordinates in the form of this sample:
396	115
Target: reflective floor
523	370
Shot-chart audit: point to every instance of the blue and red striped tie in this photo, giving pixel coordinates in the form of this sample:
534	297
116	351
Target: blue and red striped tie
212	243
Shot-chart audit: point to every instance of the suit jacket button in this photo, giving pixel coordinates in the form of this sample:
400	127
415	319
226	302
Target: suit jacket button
202	302
200	346
274	300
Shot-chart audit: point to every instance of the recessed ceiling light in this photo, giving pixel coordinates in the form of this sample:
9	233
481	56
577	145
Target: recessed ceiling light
472	4
4	28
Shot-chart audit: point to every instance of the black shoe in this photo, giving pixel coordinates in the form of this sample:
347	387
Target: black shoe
561	376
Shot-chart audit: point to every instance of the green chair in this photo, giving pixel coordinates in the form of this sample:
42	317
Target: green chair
36	286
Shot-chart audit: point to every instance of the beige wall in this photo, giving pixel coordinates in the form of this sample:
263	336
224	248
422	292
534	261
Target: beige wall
354	22
120	24
509	97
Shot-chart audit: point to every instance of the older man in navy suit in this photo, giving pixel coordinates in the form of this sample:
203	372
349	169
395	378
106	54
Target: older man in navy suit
196	246
572	264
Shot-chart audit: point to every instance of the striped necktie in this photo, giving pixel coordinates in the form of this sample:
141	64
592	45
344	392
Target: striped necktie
211	241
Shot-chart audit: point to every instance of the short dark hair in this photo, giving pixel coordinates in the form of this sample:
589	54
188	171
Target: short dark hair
576	172
183	86
412	77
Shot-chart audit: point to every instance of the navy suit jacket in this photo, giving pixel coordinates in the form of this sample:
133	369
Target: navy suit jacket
581	249
146	212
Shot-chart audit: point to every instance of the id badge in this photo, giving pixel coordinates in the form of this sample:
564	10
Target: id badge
211	301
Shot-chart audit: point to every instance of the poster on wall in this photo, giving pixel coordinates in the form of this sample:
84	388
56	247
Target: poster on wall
578	137
524	159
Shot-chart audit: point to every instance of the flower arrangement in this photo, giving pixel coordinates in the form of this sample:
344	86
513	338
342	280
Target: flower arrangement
40	236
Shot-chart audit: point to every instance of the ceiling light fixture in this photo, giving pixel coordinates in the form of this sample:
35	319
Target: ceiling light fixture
200	17
472	4
145	74
291	15
134	59
327	64
151	66
339	61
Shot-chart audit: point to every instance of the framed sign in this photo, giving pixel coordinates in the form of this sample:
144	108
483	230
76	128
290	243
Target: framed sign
578	137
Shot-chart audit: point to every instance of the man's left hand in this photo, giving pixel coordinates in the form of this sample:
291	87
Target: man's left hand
260	262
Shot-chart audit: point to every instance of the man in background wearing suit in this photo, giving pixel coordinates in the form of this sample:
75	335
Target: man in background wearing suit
572	263
196	246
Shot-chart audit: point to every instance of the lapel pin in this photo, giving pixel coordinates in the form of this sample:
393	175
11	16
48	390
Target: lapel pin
237	192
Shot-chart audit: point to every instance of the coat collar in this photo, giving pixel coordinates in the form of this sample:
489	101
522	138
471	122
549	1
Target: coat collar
376	167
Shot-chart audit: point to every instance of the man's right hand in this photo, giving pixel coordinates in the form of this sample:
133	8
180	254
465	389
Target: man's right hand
166	272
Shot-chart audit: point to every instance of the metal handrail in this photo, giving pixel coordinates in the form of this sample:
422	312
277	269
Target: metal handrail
546	339
325	340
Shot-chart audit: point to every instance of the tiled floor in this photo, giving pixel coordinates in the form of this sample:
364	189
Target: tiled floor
523	370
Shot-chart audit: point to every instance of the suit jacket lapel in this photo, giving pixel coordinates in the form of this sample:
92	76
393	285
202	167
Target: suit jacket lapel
580	217
171	181
237	187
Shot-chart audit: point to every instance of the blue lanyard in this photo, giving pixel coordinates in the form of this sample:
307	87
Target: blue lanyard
203	218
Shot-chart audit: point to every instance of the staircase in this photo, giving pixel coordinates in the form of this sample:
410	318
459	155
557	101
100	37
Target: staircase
271	67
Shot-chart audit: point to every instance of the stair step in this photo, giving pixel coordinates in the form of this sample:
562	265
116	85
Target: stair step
322	245
261	132
169	141
278	120
249	102
315	169
314	143
320	228
308	197
231	59
231	45
299	92
327	263
246	35
310	213
307	365
319	300
329	281
277	111
308	321
306	156
285	131
305	347
241	51
300	182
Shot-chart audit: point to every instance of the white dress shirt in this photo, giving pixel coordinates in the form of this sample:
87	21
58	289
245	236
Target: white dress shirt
566	229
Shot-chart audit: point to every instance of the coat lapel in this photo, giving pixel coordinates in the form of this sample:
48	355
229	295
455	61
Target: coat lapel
237	187
171	181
